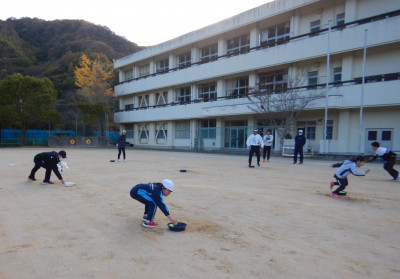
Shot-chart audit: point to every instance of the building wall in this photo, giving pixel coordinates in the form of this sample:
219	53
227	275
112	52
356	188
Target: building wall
298	56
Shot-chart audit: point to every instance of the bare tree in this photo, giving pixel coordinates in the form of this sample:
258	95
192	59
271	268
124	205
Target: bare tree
280	106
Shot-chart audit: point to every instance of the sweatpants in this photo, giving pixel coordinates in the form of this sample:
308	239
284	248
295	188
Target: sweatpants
342	182
150	206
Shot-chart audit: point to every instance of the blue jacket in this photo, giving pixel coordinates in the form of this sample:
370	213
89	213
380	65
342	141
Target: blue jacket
300	140
121	141
151	191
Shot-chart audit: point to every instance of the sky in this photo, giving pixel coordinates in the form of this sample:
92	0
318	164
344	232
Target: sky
144	22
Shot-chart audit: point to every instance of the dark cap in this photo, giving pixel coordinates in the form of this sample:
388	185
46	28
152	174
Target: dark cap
63	154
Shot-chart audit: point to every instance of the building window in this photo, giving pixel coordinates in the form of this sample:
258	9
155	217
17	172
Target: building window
183	95
182	130
161	131
129	130
237	87
275	35
162	65
386	135
314	27
144	101
238	45
129	107
312	79
309	127
208	91
273	81
209	53
329	130
161	99
208	129
144	70
129	75
340	19
337	74
143	133
185	60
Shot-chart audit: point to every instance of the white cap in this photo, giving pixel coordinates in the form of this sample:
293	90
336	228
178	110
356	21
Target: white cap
168	184
300	131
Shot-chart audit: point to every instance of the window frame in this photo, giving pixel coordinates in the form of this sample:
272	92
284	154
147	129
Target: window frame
238	45
182	129
207	91
208	128
241	89
271	36
184	60
184	95
272	83
162	65
209	53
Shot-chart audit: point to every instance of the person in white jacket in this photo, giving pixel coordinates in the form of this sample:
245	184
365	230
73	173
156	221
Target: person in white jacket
268	139
254	142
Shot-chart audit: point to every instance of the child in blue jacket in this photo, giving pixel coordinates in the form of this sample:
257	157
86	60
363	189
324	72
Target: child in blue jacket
151	195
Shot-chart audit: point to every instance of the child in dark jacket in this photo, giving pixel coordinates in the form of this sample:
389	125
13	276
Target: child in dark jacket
347	167
389	158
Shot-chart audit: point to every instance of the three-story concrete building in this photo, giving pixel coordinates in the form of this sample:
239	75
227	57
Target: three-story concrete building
192	92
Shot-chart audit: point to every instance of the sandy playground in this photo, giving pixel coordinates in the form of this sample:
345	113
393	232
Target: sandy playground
273	221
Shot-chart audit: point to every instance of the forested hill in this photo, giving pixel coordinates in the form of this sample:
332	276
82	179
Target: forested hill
35	46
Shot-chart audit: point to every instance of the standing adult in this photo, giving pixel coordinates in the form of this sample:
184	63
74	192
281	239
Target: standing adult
49	161
389	158
299	142
121	142
268	140
254	142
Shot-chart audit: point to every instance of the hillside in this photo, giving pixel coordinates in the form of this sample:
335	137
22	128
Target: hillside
39	48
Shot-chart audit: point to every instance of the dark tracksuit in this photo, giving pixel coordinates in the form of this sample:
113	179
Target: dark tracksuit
341	174
151	196
121	141
49	161
299	142
389	158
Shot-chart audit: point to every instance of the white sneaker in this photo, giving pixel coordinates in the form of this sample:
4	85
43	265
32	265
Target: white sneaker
119	160
124	160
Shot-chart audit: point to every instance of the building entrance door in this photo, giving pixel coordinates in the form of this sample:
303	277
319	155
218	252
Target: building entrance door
235	137
383	136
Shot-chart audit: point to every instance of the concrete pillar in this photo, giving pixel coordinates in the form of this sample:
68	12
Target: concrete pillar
252	80
254	37
195	55
172	61
294	24
347	67
152	67
152	99
152	134
171	133
171	95
121	76
350	10
219	141
221	47
194	92
135	72
193	132
221	88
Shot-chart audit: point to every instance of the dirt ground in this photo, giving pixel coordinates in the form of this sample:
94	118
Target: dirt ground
273	221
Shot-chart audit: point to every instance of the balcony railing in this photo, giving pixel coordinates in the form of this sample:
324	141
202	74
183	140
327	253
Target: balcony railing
283	41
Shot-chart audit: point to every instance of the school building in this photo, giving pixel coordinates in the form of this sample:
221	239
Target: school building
191	92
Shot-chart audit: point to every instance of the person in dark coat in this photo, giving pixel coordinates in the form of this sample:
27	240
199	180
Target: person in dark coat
389	158
299	142
49	161
121	142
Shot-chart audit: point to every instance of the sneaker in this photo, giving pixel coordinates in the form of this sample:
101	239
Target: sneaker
144	218
124	160
263	160
396	179
331	185
258	164
333	195
149	224
119	160
250	166
342	193
294	163
31	178
267	160
300	163
47	182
